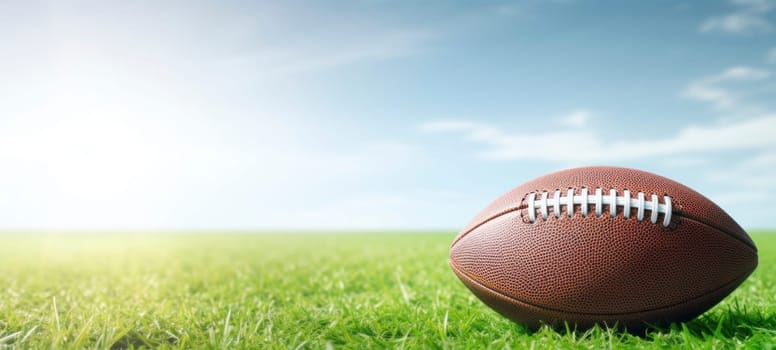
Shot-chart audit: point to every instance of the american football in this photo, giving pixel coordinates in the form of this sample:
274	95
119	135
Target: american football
308	174
602	245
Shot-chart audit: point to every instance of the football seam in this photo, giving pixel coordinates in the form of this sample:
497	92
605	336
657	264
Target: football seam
677	214
458	270
483	222
720	229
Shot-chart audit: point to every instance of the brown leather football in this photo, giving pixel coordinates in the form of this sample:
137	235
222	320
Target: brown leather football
602	245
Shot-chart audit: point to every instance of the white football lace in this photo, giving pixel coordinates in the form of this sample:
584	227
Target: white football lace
584	200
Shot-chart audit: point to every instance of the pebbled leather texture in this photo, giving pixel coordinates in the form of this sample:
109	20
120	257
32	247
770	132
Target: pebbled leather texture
591	269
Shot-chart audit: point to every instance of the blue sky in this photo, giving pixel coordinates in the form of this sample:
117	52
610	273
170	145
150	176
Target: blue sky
371	114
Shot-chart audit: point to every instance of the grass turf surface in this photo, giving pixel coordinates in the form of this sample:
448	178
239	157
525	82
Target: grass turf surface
300	291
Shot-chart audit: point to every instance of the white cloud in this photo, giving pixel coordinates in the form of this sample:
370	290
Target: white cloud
749	17
745	187
714	89
307	56
585	145
742	73
753	173
705	92
576	119
736	23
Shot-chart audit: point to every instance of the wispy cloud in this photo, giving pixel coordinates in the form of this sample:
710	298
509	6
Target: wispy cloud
749	17
741	73
735	93
587	145
702	91
755	172
577	118
714	89
746	185
310	56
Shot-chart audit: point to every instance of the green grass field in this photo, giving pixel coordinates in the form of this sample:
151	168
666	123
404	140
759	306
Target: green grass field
300	291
